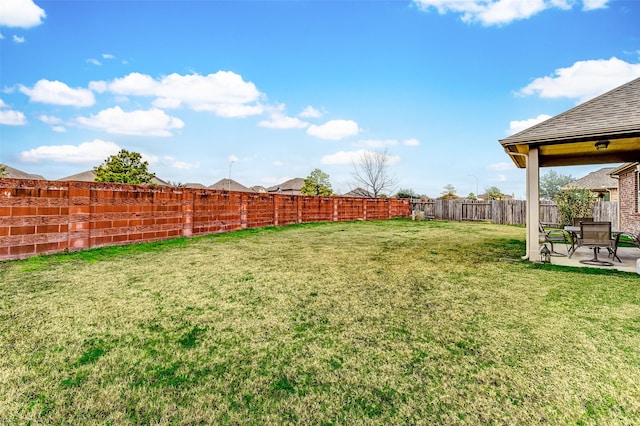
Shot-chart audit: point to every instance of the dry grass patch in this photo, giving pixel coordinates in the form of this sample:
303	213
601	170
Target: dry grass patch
387	322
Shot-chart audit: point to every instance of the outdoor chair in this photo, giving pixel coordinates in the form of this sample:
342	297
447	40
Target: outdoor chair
595	235
553	235
633	239
577	220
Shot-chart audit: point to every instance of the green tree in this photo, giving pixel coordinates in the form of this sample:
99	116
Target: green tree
407	193
449	193
3	170
472	196
494	193
575	202
551	182
317	183
125	167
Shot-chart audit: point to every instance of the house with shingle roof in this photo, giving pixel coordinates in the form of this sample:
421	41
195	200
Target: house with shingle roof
358	192
603	130
11	172
599	182
290	187
229	185
90	176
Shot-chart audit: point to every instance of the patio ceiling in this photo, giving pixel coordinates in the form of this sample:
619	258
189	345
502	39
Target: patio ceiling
570	138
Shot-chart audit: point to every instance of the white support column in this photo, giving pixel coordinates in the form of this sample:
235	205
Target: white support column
533	204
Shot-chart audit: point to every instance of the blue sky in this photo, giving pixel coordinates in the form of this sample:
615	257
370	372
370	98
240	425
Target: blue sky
269	90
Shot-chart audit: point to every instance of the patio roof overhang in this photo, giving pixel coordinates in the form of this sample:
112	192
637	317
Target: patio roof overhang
577	151
611	121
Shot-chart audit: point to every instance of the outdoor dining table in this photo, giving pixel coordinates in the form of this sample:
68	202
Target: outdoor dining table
574	230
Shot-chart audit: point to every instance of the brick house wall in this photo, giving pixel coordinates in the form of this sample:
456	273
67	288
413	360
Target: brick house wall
628	201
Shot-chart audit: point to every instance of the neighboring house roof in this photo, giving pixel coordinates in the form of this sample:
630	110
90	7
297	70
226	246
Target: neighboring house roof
258	188
358	192
90	176
600	180
229	185
624	168
19	174
292	186
613	117
194	185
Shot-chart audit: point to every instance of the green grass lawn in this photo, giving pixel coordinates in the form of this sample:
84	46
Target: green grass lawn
384	322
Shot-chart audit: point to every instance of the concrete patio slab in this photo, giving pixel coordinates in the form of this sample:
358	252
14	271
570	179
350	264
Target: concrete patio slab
628	256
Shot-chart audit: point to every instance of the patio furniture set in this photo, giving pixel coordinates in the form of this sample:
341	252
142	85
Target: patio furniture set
585	232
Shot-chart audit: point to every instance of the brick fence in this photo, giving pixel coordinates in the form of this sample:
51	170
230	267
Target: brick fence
43	217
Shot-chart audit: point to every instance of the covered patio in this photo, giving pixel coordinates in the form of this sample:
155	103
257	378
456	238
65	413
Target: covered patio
603	130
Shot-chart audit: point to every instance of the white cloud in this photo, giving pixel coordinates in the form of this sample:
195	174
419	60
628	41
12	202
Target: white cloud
411	142
108	56
94	62
12	118
224	93
502	166
87	152
1	36
519	125
499	12
21	13
499	178
352	157
279	121
594	4
278	163
18	39
50	119
59	129
311	112
98	86
58	93
153	122
233	158
583	80
334	129
182	165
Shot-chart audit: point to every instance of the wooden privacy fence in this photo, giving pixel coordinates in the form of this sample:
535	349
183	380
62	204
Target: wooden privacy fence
508	212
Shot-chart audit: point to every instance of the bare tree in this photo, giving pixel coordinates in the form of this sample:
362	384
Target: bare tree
372	172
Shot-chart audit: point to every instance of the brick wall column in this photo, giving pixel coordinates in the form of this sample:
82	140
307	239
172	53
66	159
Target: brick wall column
336	218
299	209
364	209
243	211
276	212
187	213
79	215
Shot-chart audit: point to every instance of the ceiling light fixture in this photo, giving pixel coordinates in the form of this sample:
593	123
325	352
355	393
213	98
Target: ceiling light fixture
602	145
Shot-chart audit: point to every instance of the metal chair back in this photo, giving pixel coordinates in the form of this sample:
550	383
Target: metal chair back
595	234
577	220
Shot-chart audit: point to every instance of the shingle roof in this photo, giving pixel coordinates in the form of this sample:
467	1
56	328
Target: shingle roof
194	185
598	180
614	112
292	185
90	176
358	192
19	174
229	185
